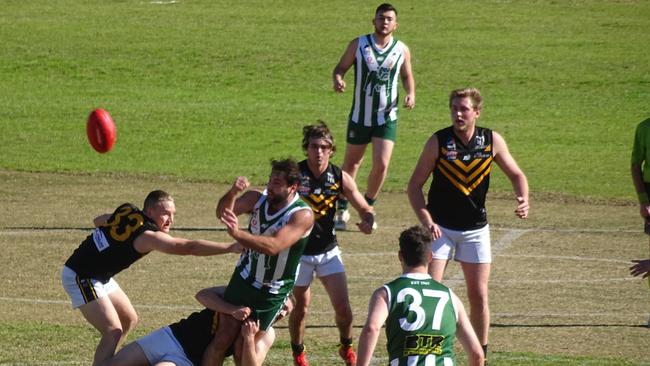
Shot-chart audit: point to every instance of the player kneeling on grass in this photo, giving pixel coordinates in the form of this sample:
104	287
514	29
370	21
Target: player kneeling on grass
183	343
118	240
422	316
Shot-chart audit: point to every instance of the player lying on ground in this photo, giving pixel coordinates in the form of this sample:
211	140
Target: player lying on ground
183	343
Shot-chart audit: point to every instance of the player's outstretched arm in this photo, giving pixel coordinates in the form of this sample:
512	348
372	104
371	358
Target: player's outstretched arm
212	298
466	335
377	314
507	163
165	243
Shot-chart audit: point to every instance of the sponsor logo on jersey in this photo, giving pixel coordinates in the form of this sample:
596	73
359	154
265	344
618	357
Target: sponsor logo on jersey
100	240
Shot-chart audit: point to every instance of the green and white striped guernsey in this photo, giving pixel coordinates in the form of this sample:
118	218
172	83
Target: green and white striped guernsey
421	323
375	87
272	274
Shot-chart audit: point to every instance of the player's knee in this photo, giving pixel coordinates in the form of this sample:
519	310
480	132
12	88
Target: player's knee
343	313
113	334
221	342
129	322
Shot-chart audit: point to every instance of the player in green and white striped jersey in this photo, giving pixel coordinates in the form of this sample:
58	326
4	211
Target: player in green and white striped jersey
422	316
279	226
378	60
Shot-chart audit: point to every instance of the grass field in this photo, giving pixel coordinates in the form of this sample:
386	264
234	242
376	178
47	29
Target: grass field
203	91
560	295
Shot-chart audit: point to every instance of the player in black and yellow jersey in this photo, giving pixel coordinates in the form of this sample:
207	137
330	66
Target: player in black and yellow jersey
322	184
460	159
183	343
118	240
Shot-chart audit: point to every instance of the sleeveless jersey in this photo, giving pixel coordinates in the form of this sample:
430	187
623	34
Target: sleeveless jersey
421	323
376	74
195	332
460	180
109	249
272	274
321	195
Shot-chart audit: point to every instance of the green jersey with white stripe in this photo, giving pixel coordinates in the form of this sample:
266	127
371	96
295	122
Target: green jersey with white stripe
376	82
421	323
273	274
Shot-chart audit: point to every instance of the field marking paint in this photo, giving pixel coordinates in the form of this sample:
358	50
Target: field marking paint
361	312
27	230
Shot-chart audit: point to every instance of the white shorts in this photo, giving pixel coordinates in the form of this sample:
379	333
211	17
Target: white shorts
162	346
322	264
470	246
85	290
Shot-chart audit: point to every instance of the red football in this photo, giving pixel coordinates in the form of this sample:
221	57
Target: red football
101	130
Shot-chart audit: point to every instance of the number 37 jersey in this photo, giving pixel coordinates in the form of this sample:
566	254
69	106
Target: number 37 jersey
109	249
421	323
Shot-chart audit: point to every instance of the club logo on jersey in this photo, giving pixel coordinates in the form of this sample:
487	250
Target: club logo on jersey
451	155
100	240
330	178
480	142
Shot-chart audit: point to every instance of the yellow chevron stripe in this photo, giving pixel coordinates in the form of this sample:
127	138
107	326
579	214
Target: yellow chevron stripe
451	169
486	164
455	183
469	167
466	179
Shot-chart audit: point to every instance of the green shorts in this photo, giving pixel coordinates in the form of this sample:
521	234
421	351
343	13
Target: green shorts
358	134
265	306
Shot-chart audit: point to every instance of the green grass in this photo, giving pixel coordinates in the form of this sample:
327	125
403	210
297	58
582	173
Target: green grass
209	90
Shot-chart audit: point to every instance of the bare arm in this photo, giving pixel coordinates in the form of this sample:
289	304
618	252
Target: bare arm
241	204
256	344
377	314
299	223
359	203
423	169
466	335
639	186
406	73
507	163
346	61
212	298
162	242
101	220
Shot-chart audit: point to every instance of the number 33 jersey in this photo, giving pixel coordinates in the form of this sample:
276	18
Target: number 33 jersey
421	323
109	249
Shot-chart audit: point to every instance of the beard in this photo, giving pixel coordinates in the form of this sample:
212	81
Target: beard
277	198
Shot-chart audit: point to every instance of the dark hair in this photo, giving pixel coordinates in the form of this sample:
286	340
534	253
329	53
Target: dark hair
415	245
290	169
384	8
156	196
317	131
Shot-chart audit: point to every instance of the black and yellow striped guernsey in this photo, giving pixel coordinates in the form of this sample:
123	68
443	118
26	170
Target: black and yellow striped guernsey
461	179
